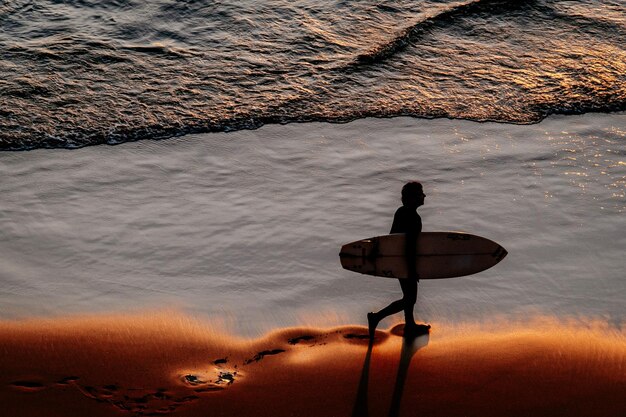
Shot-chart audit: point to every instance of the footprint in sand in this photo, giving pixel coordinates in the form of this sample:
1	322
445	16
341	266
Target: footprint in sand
296	340
359	336
263	354
223	379
137	400
28	385
67	380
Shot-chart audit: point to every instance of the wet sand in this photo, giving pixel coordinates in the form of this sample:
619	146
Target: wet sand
165	363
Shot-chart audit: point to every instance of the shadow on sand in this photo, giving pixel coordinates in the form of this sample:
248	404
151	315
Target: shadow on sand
410	345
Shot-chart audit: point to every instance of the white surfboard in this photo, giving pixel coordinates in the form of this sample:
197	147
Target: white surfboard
439	255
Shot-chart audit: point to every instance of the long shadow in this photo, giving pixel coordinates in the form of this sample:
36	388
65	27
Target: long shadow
410	345
360	406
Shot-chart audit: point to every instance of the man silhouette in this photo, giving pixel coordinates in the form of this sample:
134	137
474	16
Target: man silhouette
407	221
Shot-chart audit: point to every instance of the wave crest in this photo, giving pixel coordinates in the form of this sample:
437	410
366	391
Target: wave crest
445	15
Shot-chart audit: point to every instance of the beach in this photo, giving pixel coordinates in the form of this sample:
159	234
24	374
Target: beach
177	179
260	318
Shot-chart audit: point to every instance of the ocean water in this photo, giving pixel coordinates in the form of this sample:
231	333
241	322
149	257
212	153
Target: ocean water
511	113
81	72
245	227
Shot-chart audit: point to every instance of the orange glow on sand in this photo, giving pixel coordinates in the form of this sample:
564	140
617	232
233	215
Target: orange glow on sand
171	364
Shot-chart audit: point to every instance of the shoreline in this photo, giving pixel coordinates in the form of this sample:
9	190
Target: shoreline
252	124
171	364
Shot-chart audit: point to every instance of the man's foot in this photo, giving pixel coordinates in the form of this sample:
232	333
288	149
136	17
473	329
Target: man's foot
372	322
414	330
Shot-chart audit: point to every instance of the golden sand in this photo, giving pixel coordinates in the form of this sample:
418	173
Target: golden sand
170	364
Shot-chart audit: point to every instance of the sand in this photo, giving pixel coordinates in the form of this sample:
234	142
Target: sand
170	364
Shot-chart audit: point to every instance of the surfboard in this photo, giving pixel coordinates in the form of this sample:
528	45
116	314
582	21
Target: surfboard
439	255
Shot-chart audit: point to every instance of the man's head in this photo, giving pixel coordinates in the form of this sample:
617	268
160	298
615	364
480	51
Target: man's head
413	194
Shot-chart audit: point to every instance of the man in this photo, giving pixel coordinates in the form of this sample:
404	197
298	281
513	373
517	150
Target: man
406	220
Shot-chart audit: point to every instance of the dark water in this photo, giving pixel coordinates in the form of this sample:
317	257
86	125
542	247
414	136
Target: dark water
81	72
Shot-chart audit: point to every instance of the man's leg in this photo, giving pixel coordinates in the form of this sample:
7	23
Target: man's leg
409	289
409	292
395	307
